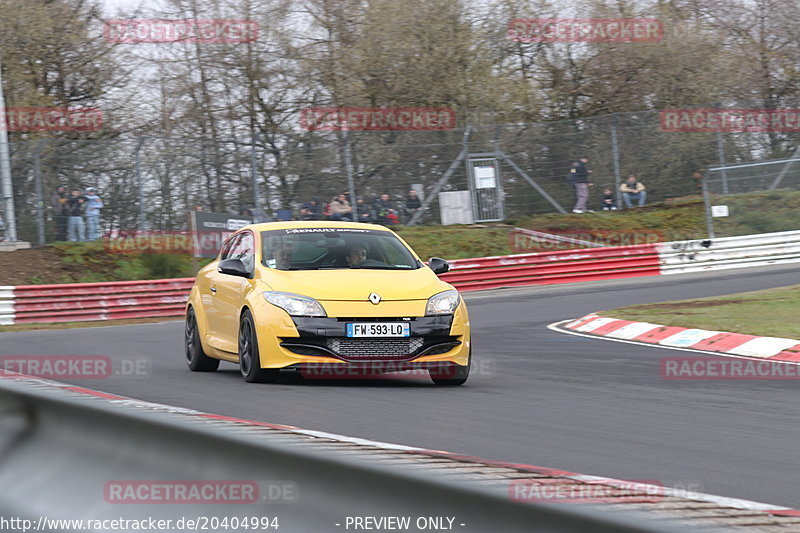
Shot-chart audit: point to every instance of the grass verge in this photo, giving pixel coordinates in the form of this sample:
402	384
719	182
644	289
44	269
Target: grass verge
767	312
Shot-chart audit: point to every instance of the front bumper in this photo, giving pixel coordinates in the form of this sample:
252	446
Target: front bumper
286	341
326	337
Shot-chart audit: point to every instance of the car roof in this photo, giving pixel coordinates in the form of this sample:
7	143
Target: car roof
266	226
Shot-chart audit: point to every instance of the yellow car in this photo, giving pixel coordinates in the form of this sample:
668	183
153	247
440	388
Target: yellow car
326	299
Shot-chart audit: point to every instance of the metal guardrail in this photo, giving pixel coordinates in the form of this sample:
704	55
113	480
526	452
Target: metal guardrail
93	301
729	252
167	298
566	266
58	452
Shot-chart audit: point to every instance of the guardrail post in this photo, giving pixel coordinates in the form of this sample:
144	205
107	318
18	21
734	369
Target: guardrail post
615	158
37	177
140	181
707	203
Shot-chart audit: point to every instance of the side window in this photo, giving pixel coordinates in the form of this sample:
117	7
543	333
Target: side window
227	246
244	250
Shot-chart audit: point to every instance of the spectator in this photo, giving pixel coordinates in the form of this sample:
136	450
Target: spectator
283	215
76	230
579	177
633	191
93	206
413	204
363	211
609	203
2	227
311	210
59	204
246	213
340	208
385	211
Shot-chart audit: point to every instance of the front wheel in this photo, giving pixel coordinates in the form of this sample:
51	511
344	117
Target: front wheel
450	374
249	359
196	358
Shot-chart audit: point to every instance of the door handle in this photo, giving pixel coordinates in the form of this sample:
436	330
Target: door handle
213	289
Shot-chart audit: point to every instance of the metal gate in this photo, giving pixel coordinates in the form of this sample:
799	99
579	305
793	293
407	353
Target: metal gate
486	188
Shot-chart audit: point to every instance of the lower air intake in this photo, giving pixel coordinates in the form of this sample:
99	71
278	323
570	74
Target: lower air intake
362	349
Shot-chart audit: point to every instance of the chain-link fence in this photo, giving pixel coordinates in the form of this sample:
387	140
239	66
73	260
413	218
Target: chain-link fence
152	183
750	198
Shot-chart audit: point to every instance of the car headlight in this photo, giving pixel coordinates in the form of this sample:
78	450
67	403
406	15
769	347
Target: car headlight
444	303
295	304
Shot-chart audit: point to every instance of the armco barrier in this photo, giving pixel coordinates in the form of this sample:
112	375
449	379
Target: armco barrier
566	266
93	301
167	298
62	449
729	252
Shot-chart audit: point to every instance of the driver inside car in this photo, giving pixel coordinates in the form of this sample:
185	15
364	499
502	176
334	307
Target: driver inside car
356	256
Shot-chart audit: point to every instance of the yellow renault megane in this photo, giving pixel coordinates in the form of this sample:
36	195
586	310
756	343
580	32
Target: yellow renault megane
336	295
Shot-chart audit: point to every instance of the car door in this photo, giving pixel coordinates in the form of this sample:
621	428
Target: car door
231	291
208	283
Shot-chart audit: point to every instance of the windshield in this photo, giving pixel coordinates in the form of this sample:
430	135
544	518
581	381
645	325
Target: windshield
335	248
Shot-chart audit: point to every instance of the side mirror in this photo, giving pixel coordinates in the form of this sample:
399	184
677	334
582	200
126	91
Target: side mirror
233	267
438	265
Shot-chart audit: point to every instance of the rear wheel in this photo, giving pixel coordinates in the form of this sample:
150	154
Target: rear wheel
452	374
196	358
249	359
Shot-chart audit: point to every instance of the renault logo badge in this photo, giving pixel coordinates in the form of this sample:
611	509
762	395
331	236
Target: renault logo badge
374	298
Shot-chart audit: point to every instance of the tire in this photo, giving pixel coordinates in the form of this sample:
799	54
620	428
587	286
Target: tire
249	359
452	375
196	358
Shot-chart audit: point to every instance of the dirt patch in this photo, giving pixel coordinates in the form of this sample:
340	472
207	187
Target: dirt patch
36	266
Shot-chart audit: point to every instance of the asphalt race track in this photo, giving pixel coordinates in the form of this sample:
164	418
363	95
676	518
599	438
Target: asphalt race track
538	397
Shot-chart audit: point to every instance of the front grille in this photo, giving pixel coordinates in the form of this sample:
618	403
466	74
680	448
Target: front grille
361	349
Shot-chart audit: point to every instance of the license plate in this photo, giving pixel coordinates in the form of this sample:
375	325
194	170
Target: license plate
378	329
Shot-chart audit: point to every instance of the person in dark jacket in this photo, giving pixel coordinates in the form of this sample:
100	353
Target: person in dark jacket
385	211
413	204
579	178
311	210
363	211
608	202
58	202
76	229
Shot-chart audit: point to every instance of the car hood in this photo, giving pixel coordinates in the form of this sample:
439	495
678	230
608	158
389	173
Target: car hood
356	284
